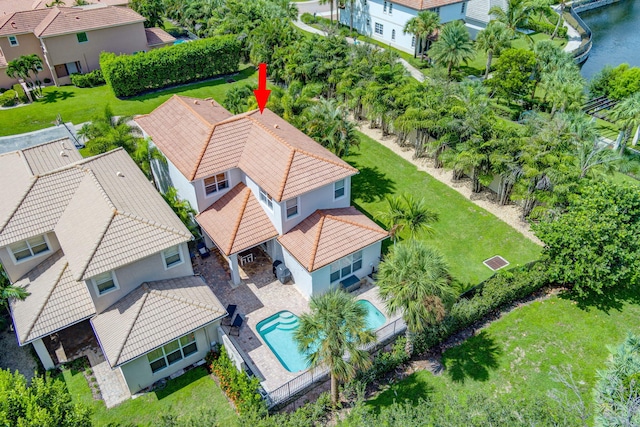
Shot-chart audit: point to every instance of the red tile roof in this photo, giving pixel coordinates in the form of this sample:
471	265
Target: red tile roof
329	235
237	221
157	36
23	22
73	20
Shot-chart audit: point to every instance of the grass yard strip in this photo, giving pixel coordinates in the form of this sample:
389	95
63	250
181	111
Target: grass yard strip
465	233
512	357
184	395
80	105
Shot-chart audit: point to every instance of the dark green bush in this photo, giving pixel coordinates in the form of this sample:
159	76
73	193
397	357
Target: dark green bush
46	80
20	91
8	99
92	79
308	18
385	361
129	75
546	28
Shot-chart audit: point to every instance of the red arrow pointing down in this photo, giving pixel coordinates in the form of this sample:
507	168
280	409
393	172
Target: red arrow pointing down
262	93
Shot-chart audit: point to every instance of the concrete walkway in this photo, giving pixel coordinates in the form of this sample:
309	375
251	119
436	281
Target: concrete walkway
573	36
413	71
111	382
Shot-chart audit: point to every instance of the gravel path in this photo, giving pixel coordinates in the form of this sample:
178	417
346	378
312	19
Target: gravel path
509	214
14	357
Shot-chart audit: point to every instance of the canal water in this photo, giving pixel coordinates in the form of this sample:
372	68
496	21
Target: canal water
616	36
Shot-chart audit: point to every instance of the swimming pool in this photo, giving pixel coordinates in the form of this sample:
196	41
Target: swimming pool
277	331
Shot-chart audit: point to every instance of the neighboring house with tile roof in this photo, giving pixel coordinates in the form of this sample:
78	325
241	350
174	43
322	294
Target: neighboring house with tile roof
257	181
385	20
70	39
94	244
478	14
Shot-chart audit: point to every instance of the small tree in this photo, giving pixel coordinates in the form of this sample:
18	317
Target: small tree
23	67
511	78
453	46
332	335
493	40
7	290
183	209
422	26
407	212
153	10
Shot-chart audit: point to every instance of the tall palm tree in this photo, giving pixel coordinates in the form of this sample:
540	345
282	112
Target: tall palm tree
328	123
453	46
492	40
408	212
422	26
627	114
333	334
7	290
108	132
414	280
22	68
517	14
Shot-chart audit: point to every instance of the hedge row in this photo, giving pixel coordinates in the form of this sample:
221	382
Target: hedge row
92	79
546	28
129	75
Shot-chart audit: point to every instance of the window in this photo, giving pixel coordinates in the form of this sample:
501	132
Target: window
393	34
266	199
379	28
82	37
413	41
338	189
463	8
436	10
29	248
390	8
63	70
105	282
368	22
346	266
173	352
216	183
384	10
13	41
172	257
292	207
365	2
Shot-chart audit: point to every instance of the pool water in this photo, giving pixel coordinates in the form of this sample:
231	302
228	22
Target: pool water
277	332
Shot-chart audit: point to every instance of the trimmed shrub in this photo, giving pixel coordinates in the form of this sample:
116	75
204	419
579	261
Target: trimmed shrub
130	75
92	79
308	18
8	99
546	28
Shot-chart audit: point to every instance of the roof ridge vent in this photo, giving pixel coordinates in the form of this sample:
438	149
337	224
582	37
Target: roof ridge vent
63	154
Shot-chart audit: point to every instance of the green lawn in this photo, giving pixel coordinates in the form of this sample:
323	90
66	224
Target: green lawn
512	357
185	395
81	105
466	234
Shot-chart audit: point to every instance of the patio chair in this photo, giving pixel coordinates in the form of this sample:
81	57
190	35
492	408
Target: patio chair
231	309
203	250
236	325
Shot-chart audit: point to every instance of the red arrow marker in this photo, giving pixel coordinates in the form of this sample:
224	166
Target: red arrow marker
262	93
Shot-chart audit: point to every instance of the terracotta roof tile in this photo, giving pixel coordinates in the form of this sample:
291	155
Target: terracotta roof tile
56	300
73	20
138	323
157	36
23	22
331	234
237	221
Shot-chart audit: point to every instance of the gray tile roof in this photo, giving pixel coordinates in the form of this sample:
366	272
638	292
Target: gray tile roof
153	315
56	300
478	10
50	156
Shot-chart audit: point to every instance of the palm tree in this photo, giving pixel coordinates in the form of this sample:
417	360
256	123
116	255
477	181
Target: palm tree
627	114
333	334
407	212
492	40
517	14
328	123
330	7
108	132
236	99
414	280
22	68
144	155
453	46
183	209
7	290
422	26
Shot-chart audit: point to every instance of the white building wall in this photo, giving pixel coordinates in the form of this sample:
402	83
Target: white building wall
274	215
138	375
301	277
131	276
183	185
366	16
205	200
16	270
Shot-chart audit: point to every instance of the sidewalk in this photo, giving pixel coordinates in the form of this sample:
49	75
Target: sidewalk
573	36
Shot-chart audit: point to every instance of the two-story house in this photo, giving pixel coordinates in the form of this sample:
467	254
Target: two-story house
385	20
98	248
70	39
255	180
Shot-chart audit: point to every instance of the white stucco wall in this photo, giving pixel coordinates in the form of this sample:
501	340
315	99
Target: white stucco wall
396	20
138	375
132	275
301	277
16	270
203	200
183	185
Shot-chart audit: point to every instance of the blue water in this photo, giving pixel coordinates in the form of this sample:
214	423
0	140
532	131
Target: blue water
277	332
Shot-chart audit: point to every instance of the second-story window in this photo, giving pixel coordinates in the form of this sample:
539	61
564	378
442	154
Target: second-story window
172	257
393	34
13	41
82	37
216	183
390	8
338	189
413	41
266	199
379	28
384	10
292	207
29	248
105	282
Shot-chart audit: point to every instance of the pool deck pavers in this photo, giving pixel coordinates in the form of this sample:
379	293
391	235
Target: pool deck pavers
258	297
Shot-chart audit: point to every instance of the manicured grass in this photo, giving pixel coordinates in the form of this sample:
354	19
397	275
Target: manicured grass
465	233
185	395
512	357
81	105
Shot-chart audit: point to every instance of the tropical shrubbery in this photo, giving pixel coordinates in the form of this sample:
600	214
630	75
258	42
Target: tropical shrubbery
92	79
8	98
129	75
615	83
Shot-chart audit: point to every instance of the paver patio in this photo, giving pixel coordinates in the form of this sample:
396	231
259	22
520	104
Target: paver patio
258	297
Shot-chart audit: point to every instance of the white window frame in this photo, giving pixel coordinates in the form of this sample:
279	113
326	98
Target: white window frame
297	206
216	183
13	41
335	189
95	283
29	247
378	26
180	348
266	199
345	267
176	263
